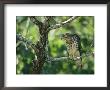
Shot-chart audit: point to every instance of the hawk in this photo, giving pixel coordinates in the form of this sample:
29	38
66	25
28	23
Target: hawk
73	45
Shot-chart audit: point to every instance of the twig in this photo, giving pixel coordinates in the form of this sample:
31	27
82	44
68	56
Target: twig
62	23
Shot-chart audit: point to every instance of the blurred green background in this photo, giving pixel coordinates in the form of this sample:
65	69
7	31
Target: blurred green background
83	26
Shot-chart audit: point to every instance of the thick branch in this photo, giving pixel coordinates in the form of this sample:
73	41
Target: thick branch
35	21
62	23
47	18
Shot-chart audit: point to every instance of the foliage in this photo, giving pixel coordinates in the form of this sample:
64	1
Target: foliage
83	26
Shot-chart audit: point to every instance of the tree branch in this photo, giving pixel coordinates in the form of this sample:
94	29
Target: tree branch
19	37
62	23
35	21
67	58
47	18
58	59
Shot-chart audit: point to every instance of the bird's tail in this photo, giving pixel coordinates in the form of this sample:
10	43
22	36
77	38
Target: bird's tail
78	60
79	63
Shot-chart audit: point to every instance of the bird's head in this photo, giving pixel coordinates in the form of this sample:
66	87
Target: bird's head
66	37
69	38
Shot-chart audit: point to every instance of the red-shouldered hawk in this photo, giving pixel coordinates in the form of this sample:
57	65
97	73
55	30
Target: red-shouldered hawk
73	45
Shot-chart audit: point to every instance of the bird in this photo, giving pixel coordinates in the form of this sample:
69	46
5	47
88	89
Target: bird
73	45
